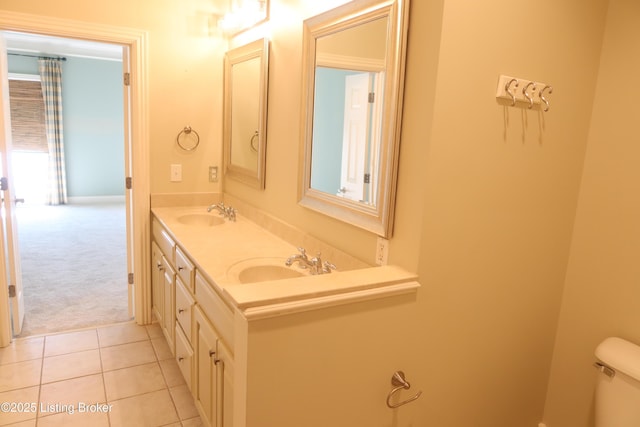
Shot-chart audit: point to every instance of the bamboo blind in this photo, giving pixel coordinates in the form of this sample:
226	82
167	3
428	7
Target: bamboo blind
27	116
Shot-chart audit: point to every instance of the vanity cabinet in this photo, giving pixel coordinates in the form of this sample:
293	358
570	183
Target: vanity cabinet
316	352
197	325
213	363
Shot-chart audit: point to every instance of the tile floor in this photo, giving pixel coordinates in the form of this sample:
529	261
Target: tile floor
119	375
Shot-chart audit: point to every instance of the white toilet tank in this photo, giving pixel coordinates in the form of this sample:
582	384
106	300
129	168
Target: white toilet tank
618	389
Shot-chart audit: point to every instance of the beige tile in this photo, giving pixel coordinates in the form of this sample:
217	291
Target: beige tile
76	419
28	423
126	355
132	381
184	402
27	396
58	396
193	422
151	409
161	348
21	350
70	342
172	373
20	374
66	366
122	333
154	330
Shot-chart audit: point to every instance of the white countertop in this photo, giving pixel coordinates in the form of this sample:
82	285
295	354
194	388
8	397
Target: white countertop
220	251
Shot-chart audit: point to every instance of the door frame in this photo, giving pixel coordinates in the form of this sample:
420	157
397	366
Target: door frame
138	137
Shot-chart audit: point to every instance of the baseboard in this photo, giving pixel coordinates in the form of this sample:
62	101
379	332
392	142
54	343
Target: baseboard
92	200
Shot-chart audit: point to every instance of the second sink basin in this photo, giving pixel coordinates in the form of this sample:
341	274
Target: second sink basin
261	273
200	219
262	269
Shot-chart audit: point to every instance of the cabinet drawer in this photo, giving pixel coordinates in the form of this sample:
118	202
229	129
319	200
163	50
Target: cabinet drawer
184	356
184	268
215	309
184	308
164	241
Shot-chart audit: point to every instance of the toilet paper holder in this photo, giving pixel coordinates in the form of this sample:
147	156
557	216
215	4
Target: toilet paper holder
399	382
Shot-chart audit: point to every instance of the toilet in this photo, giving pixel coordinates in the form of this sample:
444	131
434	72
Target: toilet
617	400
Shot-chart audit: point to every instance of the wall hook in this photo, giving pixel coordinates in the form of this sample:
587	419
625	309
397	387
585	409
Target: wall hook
507	88
549	89
399	382
525	92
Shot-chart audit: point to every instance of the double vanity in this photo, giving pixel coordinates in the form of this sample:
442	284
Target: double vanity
263	343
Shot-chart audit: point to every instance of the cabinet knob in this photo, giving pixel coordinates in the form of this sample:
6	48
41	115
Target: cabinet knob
160	267
180	268
180	359
180	310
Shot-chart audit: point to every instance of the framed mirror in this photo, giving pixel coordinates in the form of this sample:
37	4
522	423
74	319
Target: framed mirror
245	112
353	80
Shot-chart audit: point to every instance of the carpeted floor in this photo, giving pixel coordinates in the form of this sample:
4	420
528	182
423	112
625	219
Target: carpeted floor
74	266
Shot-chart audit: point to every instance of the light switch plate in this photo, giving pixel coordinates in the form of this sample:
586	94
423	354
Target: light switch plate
176	173
213	174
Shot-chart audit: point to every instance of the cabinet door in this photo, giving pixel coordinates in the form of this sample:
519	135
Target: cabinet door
169	315
157	283
184	308
205	352
184	356
225	389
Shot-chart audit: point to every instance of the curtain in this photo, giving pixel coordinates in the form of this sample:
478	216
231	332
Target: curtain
51	78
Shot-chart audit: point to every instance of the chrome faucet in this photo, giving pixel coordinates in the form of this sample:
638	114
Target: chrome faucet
315	264
217	206
226	211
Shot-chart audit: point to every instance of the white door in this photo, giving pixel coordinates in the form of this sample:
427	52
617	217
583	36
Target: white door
126	69
354	137
12	277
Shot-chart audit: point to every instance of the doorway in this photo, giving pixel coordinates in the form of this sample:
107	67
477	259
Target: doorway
73	255
137	195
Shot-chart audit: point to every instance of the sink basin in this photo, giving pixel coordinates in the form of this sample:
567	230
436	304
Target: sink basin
200	219
262	269
261	273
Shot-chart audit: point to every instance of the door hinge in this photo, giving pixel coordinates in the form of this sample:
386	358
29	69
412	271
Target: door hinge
128	183
127	79
4	183
367	178
12	291
130	278
372	97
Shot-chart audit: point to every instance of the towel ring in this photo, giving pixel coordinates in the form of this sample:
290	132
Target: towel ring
398	380
187	131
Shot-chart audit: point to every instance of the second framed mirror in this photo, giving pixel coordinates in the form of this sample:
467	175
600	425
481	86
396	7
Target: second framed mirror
246	78
353	80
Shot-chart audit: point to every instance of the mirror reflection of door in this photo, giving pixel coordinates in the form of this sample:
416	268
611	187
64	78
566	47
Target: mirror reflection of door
347	133
355	137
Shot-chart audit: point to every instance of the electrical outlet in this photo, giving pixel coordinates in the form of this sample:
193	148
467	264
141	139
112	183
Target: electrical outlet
176	173
382	251
213	174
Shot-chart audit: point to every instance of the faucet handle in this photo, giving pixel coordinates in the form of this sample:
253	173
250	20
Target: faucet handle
328	266
302	251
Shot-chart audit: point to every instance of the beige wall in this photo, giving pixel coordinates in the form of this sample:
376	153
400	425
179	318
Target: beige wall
499	197
185	77
487	194
602	292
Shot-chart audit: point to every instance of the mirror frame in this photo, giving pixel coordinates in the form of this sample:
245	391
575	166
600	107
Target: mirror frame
257	49
377	219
